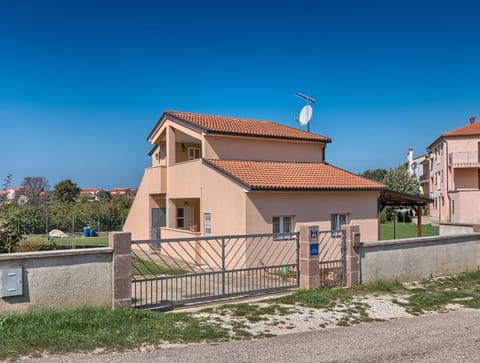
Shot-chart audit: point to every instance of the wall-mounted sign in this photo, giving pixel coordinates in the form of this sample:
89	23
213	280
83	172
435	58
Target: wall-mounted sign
313	233
314	250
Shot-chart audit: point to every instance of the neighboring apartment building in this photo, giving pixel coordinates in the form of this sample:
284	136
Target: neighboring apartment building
417	168
454	163
214	175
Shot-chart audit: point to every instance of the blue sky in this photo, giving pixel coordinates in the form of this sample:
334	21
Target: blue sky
82	83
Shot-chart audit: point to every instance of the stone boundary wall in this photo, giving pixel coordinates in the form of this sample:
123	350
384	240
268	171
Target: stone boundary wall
418	258
61	279
65	279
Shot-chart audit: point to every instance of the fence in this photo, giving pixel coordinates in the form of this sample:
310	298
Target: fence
171	272
70	225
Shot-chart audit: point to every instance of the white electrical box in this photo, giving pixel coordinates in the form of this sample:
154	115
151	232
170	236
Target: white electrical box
11	281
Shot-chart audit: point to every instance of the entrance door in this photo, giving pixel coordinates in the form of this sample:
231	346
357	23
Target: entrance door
159	219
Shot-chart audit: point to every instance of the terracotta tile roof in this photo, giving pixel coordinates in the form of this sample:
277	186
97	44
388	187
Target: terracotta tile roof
279	175
245	127
472	129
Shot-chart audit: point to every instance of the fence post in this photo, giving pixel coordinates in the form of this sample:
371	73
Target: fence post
351	233
309	260
223	266
121	269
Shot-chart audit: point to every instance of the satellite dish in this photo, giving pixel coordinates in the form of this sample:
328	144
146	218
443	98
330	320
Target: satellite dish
305	115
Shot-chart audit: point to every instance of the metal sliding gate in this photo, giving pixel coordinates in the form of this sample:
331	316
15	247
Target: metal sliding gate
172	272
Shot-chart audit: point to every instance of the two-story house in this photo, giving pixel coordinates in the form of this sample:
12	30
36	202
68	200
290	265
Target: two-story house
214	175
454	183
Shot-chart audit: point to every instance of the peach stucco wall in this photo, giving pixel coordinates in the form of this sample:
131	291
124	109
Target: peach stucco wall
240	148
139	217
313	208
466	206
225	200
466	178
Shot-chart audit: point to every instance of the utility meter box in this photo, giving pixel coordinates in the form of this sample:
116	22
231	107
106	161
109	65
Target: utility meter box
11	281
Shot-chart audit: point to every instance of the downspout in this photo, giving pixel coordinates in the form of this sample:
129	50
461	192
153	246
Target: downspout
446	183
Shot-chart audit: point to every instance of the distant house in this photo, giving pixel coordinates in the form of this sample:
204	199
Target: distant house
89	193
454	175
121	191
214	175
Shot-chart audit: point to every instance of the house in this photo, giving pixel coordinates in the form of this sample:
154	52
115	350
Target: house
215	175
417	168
454	183
89	193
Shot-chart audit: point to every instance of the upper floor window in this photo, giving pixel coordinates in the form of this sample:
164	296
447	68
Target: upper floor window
193	153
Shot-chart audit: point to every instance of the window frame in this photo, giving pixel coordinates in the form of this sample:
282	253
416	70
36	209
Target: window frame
336	222
207	231
282	234
182	218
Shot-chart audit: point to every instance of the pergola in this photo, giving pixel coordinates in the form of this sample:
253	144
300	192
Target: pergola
417	203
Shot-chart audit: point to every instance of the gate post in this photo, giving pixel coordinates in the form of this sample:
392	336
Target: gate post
121	269
309	263
351	234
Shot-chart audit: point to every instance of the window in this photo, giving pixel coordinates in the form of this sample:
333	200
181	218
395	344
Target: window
453	207
180	218
336	223
193	153
282	224
207	224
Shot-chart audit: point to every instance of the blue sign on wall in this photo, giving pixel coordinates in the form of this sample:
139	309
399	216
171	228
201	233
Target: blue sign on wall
313	233
314	250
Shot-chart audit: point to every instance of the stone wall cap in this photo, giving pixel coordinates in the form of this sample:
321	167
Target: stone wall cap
55	253
440	239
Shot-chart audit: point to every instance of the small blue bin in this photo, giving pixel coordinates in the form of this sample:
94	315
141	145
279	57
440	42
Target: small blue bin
86	231
91	233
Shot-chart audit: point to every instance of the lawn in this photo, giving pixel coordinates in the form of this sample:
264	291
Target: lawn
405	230
101	241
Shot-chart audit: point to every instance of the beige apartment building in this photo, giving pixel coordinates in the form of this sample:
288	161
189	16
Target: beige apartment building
214	175
454	175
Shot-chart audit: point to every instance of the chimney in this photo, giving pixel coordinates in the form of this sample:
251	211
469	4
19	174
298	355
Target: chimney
472	120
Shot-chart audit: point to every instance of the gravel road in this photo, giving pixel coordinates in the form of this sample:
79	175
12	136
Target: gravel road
444	337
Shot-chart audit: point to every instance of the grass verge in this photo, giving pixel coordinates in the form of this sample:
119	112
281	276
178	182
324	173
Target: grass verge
86	329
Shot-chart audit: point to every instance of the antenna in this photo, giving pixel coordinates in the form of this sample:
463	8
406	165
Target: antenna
306	112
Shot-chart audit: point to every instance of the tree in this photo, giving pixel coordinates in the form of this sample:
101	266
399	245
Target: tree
398	180
104	196
34	187
65	191
375	174
5	185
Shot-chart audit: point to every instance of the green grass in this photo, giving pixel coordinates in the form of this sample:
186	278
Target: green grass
146	267
100	241
86	329
405	230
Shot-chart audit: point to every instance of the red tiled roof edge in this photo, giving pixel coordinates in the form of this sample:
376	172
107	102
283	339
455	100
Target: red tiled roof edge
180	118
251	187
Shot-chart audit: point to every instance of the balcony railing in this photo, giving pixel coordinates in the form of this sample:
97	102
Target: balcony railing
464	158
